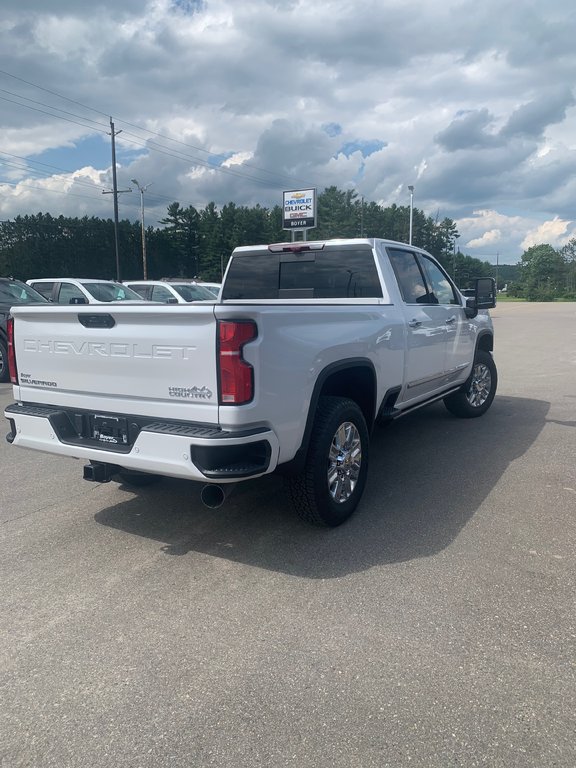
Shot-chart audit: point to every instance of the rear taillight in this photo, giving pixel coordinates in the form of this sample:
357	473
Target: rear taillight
236	376
11	352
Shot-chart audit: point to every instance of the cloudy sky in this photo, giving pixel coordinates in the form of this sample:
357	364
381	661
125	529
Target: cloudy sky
473	103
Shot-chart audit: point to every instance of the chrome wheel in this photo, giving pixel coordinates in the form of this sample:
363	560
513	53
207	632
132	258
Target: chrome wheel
332	481
344	462
480	385
475	396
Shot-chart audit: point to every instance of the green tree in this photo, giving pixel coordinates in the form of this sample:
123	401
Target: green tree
338	214
465	269
542	273
568	254
183	230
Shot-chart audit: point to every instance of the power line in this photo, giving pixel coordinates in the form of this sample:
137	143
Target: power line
59	95
140	128
51	114
33	101
151	146
101	128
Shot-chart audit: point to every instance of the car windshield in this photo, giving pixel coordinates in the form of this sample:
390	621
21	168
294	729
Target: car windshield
193	292
214	289
111	292
15	292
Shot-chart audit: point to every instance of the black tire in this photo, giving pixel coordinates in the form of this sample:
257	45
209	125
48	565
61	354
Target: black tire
475	396
328	490
4	371
137	479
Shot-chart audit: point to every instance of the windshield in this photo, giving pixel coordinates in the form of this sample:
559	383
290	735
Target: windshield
193	292
214	289
15	292
111	292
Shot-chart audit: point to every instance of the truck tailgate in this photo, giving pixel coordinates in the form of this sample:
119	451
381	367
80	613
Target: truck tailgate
150	359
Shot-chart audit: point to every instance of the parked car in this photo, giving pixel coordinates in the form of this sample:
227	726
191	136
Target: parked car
70	290
214	287
170	292
12	292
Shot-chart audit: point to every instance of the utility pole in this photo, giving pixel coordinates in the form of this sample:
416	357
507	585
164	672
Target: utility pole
142	190
115	192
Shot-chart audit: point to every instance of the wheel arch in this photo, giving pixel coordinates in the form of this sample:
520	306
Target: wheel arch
354	378
485	341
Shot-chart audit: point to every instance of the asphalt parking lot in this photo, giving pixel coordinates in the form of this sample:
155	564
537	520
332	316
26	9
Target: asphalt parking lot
436	628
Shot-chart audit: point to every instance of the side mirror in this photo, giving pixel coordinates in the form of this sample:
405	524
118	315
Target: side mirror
484	296
172	300
485	293
78	300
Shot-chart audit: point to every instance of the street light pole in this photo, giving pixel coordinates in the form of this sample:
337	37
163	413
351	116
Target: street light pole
411	190
142	190
454	258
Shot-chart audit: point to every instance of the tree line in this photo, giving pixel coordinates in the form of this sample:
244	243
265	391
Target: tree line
197	243
546	273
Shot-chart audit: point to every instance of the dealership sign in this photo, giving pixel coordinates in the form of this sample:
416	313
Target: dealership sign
299	209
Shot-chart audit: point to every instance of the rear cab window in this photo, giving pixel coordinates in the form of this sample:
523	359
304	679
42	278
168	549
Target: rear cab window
333	272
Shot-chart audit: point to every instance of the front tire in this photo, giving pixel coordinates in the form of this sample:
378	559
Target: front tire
329	489
476	395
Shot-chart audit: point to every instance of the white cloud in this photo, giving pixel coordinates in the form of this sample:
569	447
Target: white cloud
489	238
465	111
555	232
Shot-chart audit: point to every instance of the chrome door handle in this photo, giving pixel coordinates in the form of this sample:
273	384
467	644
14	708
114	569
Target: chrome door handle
451	319
414	323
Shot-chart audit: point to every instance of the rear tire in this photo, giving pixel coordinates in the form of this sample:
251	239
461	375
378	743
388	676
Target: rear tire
476	395
137	479
329	489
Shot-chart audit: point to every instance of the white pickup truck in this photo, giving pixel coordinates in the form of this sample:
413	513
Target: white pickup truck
308	346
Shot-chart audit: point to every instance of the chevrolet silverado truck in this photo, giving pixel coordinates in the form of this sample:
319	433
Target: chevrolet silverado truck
308	346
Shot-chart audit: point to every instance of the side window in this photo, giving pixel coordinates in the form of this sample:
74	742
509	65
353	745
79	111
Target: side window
440	286
141	290
44	288
410	278
67	292
161	293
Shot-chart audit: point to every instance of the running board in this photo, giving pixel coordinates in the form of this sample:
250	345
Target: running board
389	414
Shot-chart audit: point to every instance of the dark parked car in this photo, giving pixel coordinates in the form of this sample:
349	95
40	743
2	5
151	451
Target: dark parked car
12	292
